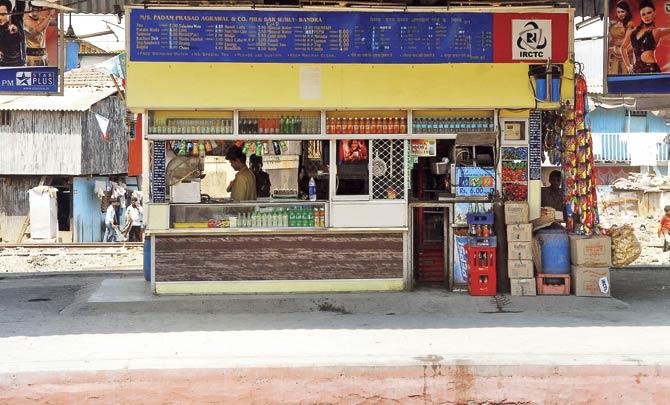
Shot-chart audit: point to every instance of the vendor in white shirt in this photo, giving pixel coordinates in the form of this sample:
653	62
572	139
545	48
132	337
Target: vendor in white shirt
135	216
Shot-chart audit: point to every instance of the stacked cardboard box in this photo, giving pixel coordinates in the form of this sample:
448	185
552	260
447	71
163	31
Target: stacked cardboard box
591	261
519	249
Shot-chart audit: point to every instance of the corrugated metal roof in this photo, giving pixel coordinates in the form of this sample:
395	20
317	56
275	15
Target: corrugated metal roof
88	76
73	99
83	88
613	147
107	6
94	6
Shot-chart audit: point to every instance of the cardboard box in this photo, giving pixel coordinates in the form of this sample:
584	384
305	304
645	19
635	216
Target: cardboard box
520	233
520	268
523	286
590	281
520	251
593	252
516	213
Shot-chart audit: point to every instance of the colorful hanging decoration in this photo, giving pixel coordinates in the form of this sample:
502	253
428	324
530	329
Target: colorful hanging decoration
578	165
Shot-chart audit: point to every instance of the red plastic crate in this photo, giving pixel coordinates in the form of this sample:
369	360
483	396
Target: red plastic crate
553	284
482	271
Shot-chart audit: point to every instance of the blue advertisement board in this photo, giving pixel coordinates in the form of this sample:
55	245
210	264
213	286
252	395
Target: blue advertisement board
29	79
474	181
164	35
461	270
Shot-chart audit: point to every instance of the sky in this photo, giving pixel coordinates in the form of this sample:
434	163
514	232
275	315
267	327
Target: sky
92	23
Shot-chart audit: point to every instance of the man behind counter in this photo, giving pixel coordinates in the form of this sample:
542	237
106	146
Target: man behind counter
262	177
243	187
552	196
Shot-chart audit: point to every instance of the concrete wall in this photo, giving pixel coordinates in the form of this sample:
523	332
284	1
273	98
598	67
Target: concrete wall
428	382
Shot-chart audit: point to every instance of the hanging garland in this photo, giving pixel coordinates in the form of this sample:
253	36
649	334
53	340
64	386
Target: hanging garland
578	165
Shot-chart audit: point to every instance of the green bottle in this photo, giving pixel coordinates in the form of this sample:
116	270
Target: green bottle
291	126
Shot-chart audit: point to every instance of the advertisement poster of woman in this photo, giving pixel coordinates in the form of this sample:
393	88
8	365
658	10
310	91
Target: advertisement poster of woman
619	26
644	48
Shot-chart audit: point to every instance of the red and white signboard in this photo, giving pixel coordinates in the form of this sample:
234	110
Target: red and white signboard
531	37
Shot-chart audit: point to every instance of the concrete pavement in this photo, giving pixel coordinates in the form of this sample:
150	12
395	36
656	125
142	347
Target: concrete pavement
102	337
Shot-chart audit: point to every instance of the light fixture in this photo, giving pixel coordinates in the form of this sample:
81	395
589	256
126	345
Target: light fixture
589	21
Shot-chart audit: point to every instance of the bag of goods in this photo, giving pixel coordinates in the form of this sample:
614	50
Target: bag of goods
625	246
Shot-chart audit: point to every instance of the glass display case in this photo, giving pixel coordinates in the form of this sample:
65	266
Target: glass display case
260	215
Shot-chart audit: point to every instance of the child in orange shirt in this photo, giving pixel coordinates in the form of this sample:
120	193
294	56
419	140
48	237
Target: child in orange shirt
664	229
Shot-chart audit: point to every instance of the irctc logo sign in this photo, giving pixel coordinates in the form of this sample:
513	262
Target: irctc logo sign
531	39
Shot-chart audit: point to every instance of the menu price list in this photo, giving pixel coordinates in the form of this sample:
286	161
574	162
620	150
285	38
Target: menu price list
158	172
329	37
535	144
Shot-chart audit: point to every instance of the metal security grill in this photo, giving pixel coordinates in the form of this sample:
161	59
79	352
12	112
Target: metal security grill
388	169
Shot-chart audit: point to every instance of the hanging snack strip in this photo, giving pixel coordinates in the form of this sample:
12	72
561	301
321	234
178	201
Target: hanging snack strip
578	166
192	148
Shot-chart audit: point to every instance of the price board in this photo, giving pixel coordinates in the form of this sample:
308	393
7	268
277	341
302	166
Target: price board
158	172
173	35
535	145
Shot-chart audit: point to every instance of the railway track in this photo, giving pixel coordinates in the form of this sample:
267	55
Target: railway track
97	245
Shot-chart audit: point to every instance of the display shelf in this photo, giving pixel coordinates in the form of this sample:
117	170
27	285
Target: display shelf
287	137
196	137
251	215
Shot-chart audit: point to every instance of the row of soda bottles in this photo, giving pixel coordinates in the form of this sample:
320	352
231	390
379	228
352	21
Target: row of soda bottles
205	126
280	125
295	125
447	125
367	125
291	217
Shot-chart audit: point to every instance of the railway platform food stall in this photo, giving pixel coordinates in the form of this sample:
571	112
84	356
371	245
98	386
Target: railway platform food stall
401	137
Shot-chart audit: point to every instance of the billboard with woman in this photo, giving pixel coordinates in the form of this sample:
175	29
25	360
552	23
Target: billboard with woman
638	49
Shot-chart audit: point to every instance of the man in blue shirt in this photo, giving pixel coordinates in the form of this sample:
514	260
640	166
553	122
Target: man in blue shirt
111	222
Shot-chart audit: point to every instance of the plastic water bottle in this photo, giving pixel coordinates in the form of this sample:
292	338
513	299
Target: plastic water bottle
312	189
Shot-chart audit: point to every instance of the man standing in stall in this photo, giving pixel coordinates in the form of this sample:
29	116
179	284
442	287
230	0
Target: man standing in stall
552	196
243	187
261	176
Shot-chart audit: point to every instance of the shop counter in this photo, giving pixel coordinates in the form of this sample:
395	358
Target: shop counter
275	260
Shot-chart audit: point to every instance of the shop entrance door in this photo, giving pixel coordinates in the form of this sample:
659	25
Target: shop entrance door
430	254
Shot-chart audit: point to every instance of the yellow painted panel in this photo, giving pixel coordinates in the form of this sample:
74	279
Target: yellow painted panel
534	190
279	287
514	113
277	86
452	113
163	115
189	225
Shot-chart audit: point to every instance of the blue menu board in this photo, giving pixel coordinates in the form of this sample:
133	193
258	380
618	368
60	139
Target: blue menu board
535	144
158	172
164	35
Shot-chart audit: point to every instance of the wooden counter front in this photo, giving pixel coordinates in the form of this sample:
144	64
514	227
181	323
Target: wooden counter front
249	257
